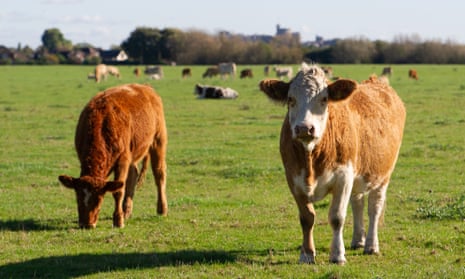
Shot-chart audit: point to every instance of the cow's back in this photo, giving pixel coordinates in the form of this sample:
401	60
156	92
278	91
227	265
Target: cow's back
116	119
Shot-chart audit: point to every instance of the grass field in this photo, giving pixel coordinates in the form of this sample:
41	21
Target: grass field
230	212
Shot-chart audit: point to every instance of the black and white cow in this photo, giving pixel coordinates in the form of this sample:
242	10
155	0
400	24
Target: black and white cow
214	92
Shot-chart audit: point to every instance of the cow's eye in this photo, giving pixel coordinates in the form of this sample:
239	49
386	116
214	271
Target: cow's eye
324	100
291	101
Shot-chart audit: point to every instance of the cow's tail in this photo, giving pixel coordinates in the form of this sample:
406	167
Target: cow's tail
143	170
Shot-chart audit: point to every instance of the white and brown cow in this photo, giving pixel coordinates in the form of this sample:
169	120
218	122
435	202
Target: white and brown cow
344	139
227	69
283	72
117	129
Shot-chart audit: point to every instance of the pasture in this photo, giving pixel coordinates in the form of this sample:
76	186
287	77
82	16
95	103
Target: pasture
230	211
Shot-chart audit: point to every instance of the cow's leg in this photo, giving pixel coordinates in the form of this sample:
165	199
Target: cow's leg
157	157
376	200
337	214
307	221
121	174
358	237
131	183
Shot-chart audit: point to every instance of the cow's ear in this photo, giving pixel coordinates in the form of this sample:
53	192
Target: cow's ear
67	181
276	90
112	186
341	89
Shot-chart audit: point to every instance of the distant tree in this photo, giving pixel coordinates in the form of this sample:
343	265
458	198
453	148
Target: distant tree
143	45
353	51
169	44
54	41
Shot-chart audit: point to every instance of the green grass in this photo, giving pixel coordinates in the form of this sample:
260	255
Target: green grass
231	214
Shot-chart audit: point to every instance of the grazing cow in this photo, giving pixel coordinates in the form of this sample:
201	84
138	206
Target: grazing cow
214	92
344	139
283	72
112	70
266	70
100	72
186	73
136	72
413	74
387	71
152	70
211	72
246	73
227	69
117	129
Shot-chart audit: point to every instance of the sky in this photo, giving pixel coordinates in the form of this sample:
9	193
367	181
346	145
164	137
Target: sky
105	23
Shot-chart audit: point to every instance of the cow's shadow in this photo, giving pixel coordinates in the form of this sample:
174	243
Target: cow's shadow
87	264
30	225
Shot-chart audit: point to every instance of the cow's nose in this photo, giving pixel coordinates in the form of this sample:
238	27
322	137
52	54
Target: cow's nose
304	131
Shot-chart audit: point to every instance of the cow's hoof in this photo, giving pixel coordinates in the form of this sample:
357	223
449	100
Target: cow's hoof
162	210
355	246
339	260
306	258
371	251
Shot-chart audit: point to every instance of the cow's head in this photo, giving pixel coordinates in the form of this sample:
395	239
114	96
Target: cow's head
89	194
307	97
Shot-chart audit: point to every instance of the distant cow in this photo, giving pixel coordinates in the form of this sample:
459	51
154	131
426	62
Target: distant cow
112	70
136	72
227	69
283	72
413	74
341	139
246	73
214	92
387	71
117	129
211	72
186	73
266	70
100	72
151	70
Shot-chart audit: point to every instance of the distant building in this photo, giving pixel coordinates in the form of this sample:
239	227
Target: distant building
287	32
113	56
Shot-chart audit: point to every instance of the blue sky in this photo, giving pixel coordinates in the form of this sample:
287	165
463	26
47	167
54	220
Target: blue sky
104	23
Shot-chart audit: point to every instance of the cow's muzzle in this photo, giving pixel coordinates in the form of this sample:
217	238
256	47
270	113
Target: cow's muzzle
304	133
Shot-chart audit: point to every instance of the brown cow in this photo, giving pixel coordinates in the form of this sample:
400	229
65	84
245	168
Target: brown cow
344	139
186	73
211	72
387	71
413	74
137	72
117	129
246	73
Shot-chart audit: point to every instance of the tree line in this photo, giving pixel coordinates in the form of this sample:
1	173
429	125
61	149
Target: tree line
146	45
403	50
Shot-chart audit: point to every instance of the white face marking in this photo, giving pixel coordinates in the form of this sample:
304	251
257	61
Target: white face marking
87	195
308	106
